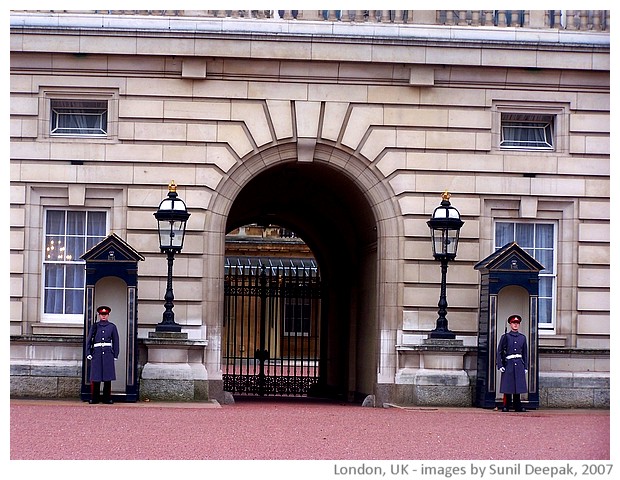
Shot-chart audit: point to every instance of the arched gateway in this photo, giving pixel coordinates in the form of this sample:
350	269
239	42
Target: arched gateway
343	209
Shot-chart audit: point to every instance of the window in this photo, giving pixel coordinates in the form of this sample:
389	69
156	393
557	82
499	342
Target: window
527	131
537	239
68	234
297	316
79	117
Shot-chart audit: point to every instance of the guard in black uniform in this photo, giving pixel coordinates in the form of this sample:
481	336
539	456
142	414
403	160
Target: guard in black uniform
102	349
512	362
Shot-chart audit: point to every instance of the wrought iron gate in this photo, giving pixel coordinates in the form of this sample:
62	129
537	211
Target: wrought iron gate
271	326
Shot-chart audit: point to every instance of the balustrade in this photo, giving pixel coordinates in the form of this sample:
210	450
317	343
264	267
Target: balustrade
595	20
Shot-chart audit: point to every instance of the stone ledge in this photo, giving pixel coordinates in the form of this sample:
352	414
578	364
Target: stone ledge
440	396
44	387
447	378
176	390
52	369
574	398
173	342
61	339
577	380
167	371
435	348
549	350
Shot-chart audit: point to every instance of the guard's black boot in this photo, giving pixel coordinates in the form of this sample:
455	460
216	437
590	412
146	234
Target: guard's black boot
517	402
107	393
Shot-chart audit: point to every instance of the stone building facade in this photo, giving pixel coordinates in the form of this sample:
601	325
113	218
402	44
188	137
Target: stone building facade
344	129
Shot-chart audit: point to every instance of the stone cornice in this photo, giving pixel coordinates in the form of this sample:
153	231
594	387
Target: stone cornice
310	40
321	30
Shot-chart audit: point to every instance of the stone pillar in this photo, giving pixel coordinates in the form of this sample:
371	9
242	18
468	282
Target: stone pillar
423	17
175	370
432	374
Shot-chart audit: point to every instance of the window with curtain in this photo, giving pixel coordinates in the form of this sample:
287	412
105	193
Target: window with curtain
537	239
79	117
68	234
527	131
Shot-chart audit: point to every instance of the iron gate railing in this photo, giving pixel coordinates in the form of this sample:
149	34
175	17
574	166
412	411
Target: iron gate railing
271	326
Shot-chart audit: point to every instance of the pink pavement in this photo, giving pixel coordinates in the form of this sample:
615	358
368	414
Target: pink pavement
299	429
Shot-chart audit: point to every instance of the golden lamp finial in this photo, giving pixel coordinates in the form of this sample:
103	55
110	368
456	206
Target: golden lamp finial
445	195
172	187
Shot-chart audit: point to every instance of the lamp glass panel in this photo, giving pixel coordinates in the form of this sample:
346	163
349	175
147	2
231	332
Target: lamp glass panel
171	233
445	241
178	233
452	241
437	241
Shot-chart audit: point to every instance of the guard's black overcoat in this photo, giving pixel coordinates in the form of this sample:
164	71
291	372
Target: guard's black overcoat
513	379
102	365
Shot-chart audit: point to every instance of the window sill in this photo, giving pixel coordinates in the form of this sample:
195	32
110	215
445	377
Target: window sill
57	329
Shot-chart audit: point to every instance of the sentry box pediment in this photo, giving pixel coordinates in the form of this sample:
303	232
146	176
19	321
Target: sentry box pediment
510	258
112	249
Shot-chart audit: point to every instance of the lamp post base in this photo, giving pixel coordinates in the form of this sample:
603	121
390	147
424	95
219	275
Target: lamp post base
174	371
167	335
443	334
433	374
168	327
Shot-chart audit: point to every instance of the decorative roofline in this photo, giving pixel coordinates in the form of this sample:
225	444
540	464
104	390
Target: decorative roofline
443	28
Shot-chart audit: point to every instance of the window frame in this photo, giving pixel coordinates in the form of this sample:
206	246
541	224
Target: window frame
297	311
558	111
72	318
91	108
48	96
544	123
544	274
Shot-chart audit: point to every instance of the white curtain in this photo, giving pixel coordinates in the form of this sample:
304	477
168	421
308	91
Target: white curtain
79	117
526	131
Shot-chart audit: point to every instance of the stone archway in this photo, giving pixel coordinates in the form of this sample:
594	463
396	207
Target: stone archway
344	211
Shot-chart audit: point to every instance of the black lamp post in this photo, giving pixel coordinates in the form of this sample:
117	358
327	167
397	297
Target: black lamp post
171	218
445	225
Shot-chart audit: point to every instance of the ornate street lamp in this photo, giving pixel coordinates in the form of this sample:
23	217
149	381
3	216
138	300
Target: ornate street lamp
445	225
171	218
